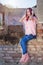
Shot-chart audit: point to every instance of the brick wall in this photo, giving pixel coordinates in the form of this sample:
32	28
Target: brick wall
34	47
40	32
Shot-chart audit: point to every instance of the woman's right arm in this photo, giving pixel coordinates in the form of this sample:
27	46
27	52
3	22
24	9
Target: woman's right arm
21	20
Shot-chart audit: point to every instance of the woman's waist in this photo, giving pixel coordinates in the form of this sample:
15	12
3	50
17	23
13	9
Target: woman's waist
30	32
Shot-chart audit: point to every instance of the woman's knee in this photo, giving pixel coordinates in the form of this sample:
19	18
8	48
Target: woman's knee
21	41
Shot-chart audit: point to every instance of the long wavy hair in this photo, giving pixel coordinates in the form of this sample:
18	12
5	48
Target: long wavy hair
30	9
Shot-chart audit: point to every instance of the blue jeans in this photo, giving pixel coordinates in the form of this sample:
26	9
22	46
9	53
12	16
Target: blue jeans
24	41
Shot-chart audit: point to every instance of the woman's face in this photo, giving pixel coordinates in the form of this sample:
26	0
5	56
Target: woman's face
28	12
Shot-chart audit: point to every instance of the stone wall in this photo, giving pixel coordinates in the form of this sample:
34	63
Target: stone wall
40	31
40	10
35	48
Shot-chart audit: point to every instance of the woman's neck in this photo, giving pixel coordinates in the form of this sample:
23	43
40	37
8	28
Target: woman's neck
30	17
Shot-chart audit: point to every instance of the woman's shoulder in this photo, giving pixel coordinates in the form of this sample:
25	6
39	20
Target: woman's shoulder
34	18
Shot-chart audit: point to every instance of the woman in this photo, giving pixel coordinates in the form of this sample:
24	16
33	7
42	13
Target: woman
29	20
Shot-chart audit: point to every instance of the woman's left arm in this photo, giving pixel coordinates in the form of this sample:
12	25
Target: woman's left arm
35	19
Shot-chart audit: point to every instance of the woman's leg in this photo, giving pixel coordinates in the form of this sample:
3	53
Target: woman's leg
23	42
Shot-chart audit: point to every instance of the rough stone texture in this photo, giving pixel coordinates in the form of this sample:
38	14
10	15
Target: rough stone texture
35	48
40	31
40	10
12	53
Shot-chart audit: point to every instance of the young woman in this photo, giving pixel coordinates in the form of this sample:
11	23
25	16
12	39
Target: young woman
29	20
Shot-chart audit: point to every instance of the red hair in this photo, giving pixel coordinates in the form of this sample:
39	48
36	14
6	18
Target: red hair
30	9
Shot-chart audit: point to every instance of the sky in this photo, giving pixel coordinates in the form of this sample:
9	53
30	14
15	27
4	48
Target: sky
19	3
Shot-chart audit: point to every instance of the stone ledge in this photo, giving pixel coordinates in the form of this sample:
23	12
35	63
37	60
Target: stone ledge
34	47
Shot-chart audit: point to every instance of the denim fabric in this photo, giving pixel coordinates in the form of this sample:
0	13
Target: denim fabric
24	41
